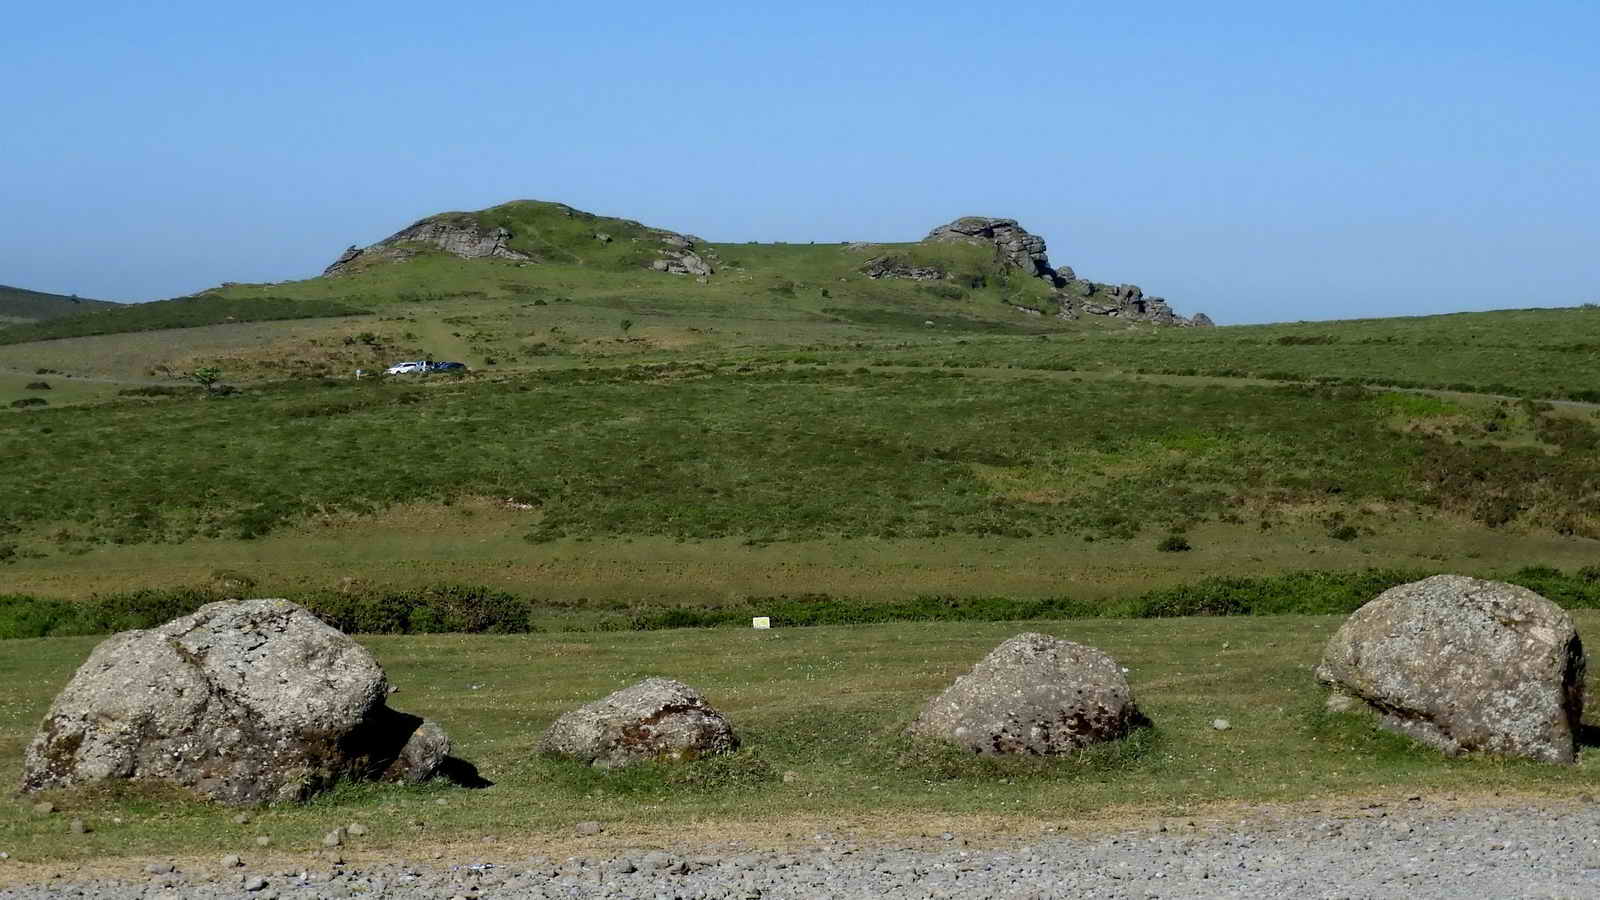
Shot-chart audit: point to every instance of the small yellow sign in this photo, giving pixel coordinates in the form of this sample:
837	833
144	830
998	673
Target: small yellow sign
761	622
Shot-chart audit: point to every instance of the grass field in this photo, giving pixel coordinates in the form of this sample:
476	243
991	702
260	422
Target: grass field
826	704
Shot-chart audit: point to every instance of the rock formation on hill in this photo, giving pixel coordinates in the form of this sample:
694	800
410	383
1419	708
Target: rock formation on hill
1016	248
468	240
541	232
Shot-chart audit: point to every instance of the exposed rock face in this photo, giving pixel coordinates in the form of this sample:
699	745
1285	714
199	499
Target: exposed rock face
895	267
462	238
1035	695
656	719
1075	296
253	701
1464	665
1019	248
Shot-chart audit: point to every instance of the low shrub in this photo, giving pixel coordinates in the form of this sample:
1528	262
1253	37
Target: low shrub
29	401
38	385
1174	543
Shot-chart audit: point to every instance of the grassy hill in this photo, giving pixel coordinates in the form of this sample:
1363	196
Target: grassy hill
786	425
21	305
910	466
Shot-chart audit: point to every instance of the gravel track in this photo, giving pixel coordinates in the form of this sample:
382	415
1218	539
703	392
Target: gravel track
1410	852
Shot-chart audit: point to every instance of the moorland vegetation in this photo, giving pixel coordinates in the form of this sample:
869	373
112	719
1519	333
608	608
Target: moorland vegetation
880	457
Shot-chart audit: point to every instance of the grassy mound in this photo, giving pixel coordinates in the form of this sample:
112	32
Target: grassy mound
182	312
21	305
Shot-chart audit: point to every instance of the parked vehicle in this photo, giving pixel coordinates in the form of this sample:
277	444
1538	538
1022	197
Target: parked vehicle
449	367
407	368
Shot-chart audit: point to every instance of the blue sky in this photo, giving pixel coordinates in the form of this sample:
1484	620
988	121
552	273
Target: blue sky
1257	161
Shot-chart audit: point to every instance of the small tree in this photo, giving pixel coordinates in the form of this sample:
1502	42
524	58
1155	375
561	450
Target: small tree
625	324
207	377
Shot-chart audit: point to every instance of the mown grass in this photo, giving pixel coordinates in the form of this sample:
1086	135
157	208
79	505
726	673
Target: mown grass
827	704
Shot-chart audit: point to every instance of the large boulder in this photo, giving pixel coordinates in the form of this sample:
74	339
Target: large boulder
253	701
656	719
1464	665
1036	695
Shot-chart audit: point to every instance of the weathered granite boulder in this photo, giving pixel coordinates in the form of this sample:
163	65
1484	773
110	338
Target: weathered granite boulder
895	267
253	701
1464	665
1016	246
1036	695
656	719
1200	320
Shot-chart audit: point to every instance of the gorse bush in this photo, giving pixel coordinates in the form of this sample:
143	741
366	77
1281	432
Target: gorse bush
432	610
466	609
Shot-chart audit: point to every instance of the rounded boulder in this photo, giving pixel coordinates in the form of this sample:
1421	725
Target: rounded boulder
657	719
1464	665
1034	695
252	701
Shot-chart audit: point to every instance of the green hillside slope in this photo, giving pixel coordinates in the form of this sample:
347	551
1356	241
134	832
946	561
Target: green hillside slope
21	305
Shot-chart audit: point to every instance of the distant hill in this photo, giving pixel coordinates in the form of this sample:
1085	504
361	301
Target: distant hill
21	305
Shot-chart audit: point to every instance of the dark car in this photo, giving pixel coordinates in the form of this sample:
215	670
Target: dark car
448	367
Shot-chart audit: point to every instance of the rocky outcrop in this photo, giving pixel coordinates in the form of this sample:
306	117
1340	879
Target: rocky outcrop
457	236
1464	665
657	719
1016	248
253	701
1034	695
1015	245
895	267
680	256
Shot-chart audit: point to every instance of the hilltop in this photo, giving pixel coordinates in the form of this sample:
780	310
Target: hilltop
978	256
22	305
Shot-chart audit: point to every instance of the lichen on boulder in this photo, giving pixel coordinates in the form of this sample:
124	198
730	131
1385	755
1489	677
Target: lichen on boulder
1464	665
1034	695
253	701
657	719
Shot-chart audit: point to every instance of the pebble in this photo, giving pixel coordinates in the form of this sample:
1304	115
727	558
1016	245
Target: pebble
356	829
44	807
255	884
333	838
77	826
159	868
232	861
263	841
242	819
1221	724
589	828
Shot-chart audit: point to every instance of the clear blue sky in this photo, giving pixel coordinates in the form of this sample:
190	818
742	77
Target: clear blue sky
1259	161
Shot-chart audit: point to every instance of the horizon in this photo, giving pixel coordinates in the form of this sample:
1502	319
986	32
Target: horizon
1251	162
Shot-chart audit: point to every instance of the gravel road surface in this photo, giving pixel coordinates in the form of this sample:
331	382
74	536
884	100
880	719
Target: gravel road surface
1408	851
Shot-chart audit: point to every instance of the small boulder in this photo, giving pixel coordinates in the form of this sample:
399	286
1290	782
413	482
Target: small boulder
1035	695
656	719
252	701
1464	665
